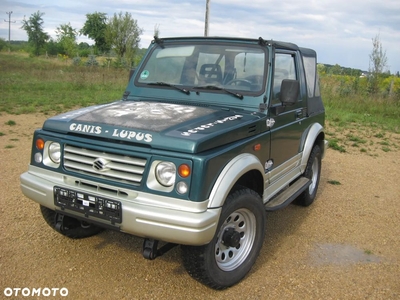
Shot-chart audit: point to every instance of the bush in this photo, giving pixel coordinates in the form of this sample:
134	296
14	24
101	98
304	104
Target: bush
84	52
53	48
3	44
76	61
92	62
121	63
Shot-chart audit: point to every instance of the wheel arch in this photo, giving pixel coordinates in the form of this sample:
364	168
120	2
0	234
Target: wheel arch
314	135
244	170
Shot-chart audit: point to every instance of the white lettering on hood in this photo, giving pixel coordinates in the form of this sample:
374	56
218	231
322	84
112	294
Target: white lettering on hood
209	125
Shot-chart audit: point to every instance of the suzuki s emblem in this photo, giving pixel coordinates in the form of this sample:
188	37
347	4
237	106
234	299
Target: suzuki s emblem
100	164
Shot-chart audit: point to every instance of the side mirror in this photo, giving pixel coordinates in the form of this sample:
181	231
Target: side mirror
290	90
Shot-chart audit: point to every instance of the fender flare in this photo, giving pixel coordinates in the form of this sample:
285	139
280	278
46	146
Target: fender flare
312	135
235	169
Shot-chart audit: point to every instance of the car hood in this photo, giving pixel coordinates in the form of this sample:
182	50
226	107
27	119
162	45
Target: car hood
177	127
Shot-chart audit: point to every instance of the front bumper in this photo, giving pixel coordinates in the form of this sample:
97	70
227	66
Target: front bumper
145	215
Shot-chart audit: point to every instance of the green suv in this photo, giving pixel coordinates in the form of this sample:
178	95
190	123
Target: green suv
209	135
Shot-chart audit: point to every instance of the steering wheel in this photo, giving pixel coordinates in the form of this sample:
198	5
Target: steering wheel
240	82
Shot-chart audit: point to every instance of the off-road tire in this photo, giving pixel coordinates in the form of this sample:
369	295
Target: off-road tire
313	172
219	264
73	228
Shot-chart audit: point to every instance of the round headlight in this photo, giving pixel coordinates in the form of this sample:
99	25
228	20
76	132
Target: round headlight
166	173
55	152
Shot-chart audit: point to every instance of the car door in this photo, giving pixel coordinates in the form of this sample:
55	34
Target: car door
285	121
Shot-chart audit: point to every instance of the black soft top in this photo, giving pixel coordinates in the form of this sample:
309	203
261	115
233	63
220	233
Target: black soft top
277	44
308	52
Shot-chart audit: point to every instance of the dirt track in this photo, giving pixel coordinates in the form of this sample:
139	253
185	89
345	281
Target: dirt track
345	246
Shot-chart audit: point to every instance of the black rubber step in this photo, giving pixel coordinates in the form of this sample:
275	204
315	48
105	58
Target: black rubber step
289	195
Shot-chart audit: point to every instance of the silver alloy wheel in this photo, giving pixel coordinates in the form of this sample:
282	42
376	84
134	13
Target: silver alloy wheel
240	223
314	177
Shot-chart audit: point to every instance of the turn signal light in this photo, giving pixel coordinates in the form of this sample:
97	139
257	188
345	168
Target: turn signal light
184	170
39	144
257	147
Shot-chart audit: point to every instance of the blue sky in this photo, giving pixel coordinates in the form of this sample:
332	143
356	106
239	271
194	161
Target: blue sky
341	31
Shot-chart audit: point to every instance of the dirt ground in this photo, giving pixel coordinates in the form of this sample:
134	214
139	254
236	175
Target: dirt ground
345	246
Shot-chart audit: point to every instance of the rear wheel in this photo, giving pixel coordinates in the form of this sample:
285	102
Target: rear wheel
313	172
236	244
68	226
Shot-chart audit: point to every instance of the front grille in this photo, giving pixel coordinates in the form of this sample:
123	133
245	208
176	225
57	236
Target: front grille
109	166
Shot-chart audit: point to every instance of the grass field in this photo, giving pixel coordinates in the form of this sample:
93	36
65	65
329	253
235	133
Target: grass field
347	100
30	85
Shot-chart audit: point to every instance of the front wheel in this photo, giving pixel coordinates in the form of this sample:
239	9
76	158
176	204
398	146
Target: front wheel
236	244
70	227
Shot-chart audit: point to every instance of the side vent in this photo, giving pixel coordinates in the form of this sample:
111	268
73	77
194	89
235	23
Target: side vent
252	129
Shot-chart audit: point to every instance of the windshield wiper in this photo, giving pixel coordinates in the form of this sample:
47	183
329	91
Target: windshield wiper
160	83
214	87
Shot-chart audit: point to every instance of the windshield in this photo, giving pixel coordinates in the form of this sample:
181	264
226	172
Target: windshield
213	67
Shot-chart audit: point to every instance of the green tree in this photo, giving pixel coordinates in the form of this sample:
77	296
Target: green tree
377	58
85	49
83	46
66	36
321	69
123	34
377	64
37	38
336	69
94	28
